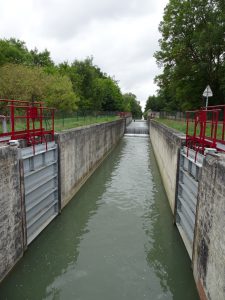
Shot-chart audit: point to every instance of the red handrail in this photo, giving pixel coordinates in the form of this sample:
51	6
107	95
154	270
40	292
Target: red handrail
205	119
34	114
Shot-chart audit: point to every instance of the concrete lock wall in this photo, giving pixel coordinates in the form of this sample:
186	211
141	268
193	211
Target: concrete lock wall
209	244
128	120
11	214
81	150
166	143
208	260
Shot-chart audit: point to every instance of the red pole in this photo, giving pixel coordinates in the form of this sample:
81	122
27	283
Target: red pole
28	123
196	123
41	119
12	118
216	114
187	131
53	124
187	124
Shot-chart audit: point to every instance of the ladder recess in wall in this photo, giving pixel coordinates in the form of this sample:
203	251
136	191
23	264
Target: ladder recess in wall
189	170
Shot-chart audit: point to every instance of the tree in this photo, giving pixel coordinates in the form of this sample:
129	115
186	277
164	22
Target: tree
112	99
14	51
155	103
25	83
82	75
41	59
134	105
192	52
59	93
32	73
22	82
96	90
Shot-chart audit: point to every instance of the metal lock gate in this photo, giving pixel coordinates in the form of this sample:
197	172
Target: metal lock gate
187	192
40	187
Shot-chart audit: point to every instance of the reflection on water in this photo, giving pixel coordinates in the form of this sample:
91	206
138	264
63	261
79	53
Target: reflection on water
115	240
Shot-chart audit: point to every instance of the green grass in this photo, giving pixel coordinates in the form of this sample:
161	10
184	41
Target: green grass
64	123
69	123
175	124
180	125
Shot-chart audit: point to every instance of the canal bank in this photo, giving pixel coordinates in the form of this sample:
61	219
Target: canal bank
114	240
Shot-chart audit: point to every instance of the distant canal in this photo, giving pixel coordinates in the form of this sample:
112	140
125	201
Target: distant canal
114	241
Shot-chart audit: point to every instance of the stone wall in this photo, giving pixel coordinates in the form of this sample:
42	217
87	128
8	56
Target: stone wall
80	152
11	228
209	244
166	143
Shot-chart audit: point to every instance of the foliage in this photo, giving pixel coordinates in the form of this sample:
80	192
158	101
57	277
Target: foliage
155	103
192	52
133	105
41	59
27	74
96	90
60	94
27	83
15	51
112	99
22	82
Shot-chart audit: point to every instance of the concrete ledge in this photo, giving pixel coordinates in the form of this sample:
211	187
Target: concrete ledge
166	143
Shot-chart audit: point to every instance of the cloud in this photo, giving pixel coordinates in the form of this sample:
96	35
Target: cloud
64	19
122	36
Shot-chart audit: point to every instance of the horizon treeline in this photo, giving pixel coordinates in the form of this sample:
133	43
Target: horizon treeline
80	85
191	55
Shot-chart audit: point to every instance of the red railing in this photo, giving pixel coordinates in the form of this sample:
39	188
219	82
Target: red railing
205	128
32	117
123	114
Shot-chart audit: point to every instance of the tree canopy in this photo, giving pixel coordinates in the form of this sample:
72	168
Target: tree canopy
133	105
25	83
79	85
154	103
96	90
192	53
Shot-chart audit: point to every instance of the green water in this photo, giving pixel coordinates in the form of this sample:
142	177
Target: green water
114	241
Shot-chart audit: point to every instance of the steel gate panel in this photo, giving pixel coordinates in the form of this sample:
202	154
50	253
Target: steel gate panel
187	192
41	187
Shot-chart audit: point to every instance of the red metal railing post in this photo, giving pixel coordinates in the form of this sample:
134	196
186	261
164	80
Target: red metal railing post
215	125
41	121
12	120
53	123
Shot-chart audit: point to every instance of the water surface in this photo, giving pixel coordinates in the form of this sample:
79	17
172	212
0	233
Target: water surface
114	241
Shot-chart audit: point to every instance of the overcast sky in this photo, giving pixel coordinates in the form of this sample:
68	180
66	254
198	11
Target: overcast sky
121	35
